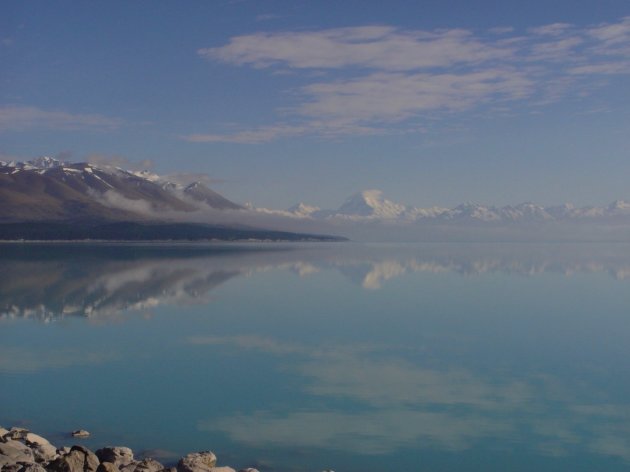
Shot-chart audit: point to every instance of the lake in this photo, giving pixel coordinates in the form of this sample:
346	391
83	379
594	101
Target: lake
350	357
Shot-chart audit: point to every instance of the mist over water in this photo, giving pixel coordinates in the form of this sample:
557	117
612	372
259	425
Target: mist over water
341	356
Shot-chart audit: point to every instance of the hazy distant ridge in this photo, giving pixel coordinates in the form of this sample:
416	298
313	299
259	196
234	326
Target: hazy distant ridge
372	205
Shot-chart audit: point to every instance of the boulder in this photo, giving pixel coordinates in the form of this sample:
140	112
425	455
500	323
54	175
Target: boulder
11	467
222	469
32	438
248	469
17	433
107	467
145	465
3	433
197	462
80	433
119	456
79	459
12	452
31	468
44	452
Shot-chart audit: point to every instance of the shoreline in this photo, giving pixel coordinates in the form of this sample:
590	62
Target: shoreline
24	451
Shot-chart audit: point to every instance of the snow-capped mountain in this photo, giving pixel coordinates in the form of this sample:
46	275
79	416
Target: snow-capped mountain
302	210
50	189
371	205
47	189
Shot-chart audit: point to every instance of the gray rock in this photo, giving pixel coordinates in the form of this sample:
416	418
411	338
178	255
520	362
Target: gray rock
81	433
31	468
79	459
44	452
11	467
197	462
17	433
107	467
145	465
5	463
120	456
3	433
32	438
14	451
222	469
249	469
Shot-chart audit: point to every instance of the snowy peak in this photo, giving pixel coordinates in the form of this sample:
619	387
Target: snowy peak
199	192
50	189
45	162
303	210
371	203
619	206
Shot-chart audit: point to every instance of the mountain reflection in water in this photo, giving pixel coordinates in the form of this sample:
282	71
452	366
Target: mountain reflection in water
48	282
311	357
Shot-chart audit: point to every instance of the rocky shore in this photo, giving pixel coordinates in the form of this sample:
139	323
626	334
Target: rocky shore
23	451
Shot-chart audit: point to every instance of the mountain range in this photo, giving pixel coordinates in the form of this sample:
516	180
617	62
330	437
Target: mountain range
46	198
370	205
47	190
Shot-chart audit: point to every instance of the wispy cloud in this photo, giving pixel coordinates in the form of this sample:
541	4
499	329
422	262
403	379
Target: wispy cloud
260	135
372	47
19	118
373	79
268	17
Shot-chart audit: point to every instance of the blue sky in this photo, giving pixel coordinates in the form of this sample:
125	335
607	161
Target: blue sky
433	102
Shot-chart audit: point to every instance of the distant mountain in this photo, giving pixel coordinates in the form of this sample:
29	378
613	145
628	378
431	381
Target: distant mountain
371	203
49	189
372	206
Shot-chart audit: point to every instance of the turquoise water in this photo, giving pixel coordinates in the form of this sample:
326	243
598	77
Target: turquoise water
342	356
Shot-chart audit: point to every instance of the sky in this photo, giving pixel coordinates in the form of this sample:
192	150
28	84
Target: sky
434	102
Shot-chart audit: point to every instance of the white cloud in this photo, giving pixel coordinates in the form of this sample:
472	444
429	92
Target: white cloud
380	79
612	33
260	135
554	29
373	47
395	96
18	118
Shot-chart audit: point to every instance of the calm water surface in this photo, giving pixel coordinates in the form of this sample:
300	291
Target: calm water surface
302	358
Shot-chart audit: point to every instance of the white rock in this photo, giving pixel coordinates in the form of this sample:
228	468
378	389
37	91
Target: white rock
17	433
44	452
197	462
32	468
15	451
120	456
32	438
145	465
80	433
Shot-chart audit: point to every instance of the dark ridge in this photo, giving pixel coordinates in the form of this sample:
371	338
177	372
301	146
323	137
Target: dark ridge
138	232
